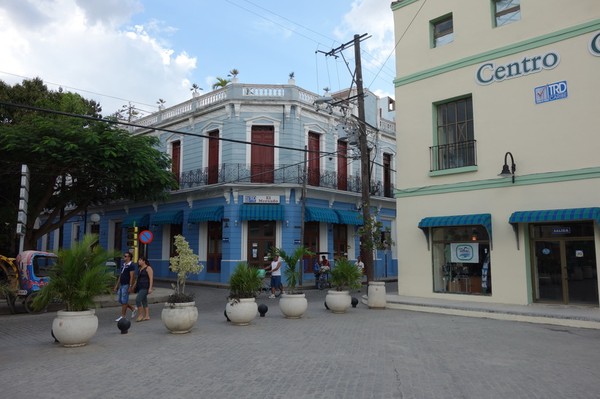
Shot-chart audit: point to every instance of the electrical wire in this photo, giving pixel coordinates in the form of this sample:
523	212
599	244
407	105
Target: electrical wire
401	36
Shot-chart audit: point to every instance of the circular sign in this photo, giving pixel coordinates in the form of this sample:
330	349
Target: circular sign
146	236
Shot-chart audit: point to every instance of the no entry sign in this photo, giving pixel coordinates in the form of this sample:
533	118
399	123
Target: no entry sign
146	236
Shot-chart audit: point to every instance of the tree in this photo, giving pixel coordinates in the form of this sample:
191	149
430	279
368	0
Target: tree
74	162
220	83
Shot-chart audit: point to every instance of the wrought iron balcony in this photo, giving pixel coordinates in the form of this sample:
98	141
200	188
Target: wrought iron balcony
277	174
451	156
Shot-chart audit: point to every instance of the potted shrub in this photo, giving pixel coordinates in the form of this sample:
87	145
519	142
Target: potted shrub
344	277
293	304
180	313
244	284
79	275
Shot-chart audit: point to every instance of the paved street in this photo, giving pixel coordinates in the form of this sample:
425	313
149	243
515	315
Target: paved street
361	354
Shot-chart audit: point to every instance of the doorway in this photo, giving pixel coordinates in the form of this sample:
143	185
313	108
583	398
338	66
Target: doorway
564	265
261	238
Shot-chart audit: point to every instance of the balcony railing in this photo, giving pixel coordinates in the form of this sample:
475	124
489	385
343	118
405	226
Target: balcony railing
451	156
279	174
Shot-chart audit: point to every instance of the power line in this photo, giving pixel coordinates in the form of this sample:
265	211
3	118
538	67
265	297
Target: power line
401	36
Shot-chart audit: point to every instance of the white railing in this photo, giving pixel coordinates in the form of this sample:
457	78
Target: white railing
256	91
211	98
386	125
177	110
307	97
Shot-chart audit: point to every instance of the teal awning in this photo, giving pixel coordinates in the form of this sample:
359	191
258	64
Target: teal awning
261	212
139	220
313	214
172	217
556	215
208	214
350	217
483	219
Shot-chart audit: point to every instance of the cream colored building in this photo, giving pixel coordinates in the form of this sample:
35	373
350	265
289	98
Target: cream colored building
482	84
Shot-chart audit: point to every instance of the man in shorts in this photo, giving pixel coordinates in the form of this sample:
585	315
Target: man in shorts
125	285
276	277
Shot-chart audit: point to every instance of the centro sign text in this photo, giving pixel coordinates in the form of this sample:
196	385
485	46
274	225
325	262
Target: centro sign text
489	73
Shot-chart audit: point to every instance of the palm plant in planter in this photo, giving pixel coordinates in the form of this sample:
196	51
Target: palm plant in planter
294	303
80	274
344	277
180	313
244	285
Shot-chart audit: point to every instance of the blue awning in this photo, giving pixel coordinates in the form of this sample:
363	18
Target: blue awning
556	215
483	219
172	217
350	217
313	214
139	220
261	212
208	214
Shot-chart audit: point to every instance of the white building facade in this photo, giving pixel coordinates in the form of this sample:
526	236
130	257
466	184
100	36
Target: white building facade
486	86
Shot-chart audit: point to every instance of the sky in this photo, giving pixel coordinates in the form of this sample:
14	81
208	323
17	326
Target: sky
140	51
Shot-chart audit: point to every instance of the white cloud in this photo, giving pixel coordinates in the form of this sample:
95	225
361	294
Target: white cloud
375	18
86	45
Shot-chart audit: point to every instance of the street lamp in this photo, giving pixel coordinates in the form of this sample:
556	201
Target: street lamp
506	172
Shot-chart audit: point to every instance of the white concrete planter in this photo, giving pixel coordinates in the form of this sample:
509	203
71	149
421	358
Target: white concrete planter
75	328
242	311
179	318
376	295
338	301
293	306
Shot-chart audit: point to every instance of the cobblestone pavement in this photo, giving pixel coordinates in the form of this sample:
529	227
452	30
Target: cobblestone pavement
361	354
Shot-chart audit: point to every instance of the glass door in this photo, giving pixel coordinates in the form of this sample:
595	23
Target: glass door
582	273
548	271
565	271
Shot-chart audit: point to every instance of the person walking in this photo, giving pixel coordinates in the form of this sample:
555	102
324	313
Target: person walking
124	286
276	277
143	286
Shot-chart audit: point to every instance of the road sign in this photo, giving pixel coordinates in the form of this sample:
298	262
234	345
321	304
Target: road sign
146	237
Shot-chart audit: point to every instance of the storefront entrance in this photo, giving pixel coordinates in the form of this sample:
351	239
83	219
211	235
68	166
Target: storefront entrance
261	238
564	263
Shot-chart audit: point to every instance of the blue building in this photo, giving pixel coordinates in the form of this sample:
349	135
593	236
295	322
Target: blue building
239	156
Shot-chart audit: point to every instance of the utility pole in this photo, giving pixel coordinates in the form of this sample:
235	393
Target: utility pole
366	239
304	178
365	175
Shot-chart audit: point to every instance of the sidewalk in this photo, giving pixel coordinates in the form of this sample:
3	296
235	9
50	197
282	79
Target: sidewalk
562	315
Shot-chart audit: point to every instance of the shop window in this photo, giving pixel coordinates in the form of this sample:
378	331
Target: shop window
455	136
461	260
506	11
443	31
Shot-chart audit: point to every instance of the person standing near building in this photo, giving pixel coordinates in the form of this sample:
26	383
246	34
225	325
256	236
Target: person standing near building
276	276
143	287
124	286
360	265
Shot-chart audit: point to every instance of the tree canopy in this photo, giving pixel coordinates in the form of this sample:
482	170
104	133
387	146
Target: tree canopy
74	161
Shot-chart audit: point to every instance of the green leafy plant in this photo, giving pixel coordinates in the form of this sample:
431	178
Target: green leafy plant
291	270
244	282
345	276
183	264
374	235
79	275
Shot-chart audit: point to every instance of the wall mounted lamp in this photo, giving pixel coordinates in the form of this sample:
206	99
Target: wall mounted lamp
506	172
94	218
